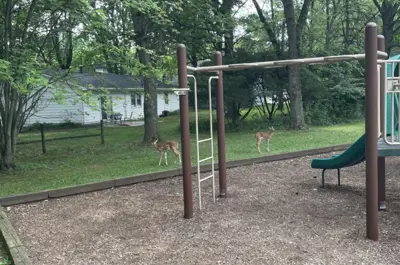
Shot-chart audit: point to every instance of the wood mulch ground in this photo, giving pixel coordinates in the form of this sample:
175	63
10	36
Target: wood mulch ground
275	214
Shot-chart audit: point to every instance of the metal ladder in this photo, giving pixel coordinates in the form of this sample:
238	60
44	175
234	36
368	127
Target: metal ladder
210	139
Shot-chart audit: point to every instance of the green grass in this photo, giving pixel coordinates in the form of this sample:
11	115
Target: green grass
81	161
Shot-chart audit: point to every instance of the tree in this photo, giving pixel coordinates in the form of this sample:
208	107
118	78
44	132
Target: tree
25	33
295	29
389	10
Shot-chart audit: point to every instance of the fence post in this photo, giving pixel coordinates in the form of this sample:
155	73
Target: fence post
42	136
102	131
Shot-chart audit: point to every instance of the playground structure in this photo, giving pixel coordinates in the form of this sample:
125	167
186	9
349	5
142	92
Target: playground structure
378	92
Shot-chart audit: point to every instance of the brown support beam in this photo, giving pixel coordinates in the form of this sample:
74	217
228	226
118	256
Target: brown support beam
221	130
371	129
381	160
185	134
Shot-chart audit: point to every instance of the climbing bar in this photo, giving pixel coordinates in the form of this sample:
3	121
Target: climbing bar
283	63
203	179
205	159
205	140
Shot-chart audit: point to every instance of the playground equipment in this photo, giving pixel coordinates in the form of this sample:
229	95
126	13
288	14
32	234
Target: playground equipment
388	134
375	108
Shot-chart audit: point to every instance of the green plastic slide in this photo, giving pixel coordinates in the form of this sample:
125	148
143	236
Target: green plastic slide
353	155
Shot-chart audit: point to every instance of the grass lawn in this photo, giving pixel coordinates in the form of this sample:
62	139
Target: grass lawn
81	161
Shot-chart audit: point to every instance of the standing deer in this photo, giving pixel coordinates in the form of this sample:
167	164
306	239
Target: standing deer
163	147
266	136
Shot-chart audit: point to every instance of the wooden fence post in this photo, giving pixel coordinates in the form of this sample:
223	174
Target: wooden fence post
43	139
102	131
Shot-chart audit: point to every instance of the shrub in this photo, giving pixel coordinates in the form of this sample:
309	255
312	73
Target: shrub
254	124
340	104
64	125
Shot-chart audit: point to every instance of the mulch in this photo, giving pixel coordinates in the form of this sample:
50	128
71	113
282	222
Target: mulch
276	213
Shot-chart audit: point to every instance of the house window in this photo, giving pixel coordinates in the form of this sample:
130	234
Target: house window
136	99
166	99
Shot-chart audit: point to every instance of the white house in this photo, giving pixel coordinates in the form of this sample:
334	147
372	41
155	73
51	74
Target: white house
123	92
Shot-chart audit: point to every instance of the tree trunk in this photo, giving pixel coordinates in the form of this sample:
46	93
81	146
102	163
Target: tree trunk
388	11
328	26
388	33
347	28
149	102
296	100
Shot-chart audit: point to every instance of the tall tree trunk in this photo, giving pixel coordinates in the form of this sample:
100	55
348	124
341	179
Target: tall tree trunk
347	28
296	100
150	102
142	29
328	26
388	11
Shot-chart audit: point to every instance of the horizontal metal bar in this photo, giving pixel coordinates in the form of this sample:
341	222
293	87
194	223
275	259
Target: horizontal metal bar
207	178
393	92
205	159
283	63
205	140
191	68
382	55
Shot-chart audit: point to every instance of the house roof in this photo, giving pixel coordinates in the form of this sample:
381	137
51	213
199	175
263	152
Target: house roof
108	81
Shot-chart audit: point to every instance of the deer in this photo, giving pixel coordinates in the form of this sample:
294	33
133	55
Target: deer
163	147
266	136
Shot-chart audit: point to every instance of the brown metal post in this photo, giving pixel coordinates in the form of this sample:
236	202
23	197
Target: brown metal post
221	129
381	160
185	134
371	129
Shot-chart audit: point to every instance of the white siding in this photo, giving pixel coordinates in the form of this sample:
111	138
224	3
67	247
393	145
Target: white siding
118	100
92	115
134	112
53	112
173	102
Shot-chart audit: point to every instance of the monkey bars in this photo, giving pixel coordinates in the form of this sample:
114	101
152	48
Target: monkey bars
284	63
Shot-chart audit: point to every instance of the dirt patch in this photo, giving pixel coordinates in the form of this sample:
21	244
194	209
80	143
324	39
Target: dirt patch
275	214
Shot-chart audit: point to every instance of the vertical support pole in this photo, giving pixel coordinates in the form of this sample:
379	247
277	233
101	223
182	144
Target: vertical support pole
221	129
102	131
185	134
43	139
371	129
381	160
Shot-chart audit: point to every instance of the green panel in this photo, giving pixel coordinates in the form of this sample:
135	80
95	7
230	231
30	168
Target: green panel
389	113
389	67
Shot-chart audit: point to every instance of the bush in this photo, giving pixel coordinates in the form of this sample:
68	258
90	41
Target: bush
253	124
64	125
340	104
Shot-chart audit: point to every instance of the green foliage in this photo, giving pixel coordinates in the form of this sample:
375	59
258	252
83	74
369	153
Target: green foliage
343	103
49	126
254	123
